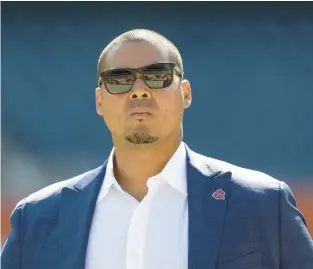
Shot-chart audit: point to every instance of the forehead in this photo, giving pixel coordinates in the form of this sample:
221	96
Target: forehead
136	54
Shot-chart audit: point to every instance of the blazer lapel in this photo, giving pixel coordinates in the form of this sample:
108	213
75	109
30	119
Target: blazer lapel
206	213
75	216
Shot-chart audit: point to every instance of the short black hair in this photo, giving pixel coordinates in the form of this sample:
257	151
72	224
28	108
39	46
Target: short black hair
140	35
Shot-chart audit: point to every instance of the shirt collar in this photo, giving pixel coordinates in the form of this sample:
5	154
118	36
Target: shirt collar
109	179
174	173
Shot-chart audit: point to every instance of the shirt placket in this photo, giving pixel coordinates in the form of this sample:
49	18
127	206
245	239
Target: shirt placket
138	229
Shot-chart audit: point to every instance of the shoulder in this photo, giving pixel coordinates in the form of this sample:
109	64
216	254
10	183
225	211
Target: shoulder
254	187
248	178
242	178
48	195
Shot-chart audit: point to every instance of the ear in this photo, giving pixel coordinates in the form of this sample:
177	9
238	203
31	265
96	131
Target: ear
98	101
186	90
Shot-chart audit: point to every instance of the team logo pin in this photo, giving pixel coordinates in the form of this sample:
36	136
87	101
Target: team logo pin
219	194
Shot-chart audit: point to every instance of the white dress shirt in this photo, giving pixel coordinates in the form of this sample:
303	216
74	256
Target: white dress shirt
151	234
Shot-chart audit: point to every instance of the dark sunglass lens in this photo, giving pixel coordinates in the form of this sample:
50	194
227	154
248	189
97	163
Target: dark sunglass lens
118	81
119	85
158	80
116	89
158	76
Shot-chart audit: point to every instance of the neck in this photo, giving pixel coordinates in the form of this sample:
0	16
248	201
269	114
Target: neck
135	164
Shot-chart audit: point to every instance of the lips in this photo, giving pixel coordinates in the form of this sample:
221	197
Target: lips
140	114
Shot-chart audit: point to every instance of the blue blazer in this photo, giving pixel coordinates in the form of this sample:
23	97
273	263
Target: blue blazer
257	224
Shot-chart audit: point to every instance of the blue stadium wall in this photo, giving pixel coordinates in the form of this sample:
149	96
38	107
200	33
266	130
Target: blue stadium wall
250	66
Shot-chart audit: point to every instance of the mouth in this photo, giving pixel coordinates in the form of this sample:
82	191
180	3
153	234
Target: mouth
140	114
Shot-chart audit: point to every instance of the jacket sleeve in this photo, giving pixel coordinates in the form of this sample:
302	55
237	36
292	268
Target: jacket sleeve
11	252
296	244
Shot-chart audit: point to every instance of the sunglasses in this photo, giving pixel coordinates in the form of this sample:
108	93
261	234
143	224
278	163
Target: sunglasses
155	76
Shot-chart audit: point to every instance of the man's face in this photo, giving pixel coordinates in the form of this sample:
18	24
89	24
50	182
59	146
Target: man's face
143	115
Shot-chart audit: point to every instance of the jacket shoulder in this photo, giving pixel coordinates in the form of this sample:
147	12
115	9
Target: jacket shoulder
248	178
242	177
49	193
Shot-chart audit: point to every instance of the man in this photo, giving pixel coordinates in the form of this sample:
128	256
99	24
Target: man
155	203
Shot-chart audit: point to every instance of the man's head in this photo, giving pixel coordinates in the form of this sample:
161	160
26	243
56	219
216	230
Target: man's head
141	93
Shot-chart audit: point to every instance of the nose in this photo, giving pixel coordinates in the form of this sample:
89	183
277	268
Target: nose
140	90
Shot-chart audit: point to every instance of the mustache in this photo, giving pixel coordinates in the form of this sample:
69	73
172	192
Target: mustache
145	103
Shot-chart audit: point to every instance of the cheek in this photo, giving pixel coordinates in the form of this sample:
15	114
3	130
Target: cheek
172	104
112	111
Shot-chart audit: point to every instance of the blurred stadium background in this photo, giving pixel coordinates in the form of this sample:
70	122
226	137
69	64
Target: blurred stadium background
250	67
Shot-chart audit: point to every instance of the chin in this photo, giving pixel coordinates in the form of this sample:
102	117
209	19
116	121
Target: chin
140	138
